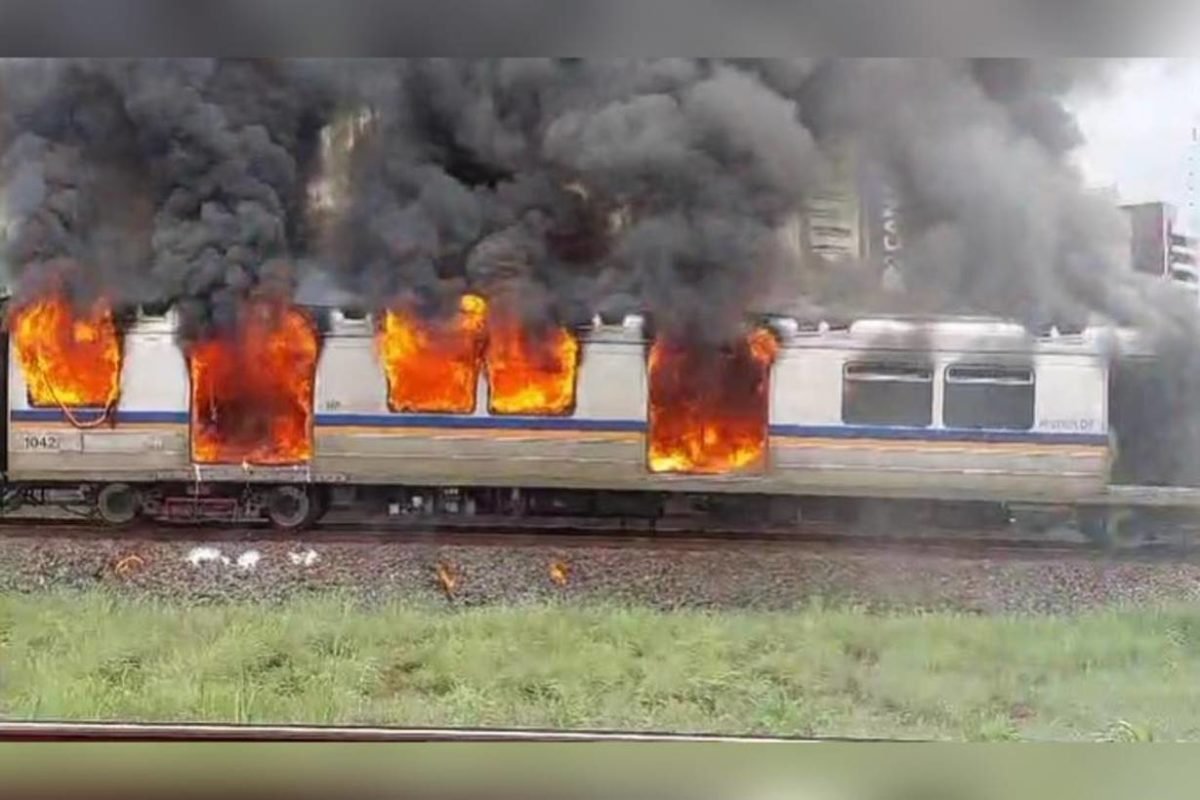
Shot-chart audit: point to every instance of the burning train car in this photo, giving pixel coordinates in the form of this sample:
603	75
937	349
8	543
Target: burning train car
124	417
408	413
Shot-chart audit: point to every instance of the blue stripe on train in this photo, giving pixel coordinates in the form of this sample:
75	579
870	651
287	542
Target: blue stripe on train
480	423
613	425
91	414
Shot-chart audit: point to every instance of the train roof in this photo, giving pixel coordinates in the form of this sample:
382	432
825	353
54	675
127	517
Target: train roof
956	333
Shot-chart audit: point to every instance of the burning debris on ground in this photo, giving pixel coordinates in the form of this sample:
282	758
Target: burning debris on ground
389	570
708	405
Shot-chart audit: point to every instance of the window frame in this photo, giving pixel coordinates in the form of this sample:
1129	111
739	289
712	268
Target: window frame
888	371
997	378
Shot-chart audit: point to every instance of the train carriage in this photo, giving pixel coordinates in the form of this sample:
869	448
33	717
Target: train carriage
959	409
142	439
977	410
940	410
598	444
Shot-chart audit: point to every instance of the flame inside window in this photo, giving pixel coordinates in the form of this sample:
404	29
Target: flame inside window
530	372
68	359
432	365
708	407
252	389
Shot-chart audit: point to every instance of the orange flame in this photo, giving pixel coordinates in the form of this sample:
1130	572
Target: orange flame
560	572
448	577
432	366
708	409
128	565
529	375
69	360
252	390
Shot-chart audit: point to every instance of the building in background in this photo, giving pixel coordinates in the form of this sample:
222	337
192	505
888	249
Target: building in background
883	224
1159	245
833	214
1192	179
826	231
852	221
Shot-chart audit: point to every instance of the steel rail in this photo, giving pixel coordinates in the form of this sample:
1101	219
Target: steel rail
163	732
564	534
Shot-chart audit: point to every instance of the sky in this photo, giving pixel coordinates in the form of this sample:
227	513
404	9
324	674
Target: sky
1140	135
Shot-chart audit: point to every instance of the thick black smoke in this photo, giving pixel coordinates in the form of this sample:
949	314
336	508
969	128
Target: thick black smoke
572	187
75	192
569	187
165	181
464	176
513	175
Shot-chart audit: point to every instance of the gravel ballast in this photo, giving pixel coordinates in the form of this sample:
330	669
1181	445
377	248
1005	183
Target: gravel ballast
750	577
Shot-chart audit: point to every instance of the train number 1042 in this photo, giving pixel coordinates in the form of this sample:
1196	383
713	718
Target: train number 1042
45	441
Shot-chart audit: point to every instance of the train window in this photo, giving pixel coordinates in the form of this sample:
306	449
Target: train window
887	394
989	397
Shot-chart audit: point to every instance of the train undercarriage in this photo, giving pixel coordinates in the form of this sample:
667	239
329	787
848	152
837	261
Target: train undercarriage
296	507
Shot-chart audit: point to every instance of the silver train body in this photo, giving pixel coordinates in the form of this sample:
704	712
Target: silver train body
946	410
813	447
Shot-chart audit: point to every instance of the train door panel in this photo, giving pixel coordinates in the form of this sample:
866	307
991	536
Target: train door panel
805	386
612	382
1071	395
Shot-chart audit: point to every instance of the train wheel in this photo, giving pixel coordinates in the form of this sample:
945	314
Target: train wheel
118	504
291	508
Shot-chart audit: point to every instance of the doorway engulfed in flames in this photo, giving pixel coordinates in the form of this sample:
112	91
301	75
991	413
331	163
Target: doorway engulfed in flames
708	405
252	389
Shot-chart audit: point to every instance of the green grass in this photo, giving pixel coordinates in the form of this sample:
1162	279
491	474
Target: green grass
1115	675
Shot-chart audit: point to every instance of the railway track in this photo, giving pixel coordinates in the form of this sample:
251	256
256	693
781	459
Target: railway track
561	533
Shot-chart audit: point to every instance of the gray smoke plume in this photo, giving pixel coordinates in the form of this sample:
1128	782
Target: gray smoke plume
467	172
996	222
75	195
168	181
574	187
583	186
226	144
512	172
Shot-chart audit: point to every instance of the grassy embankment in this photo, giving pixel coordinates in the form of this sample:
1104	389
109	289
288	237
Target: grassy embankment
811	672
